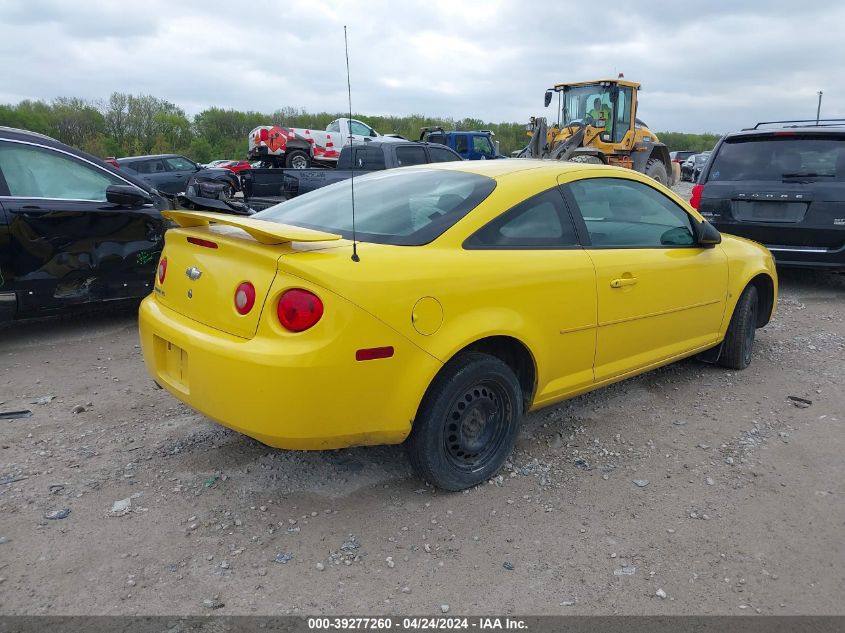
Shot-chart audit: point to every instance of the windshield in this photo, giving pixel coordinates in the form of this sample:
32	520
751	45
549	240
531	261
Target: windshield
581	101
408	207
780	157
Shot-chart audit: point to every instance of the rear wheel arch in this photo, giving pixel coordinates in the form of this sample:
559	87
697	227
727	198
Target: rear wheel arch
513	353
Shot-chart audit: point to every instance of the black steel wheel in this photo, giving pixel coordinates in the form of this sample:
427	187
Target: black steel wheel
467	423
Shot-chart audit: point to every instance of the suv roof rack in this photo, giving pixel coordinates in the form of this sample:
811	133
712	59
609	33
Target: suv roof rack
802	123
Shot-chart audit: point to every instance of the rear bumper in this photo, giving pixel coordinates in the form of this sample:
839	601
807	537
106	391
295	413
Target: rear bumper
789	255
296	393
808	256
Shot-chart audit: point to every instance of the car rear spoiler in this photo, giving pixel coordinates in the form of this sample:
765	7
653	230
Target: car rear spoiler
261	230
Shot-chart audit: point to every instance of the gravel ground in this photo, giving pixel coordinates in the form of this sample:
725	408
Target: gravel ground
688	490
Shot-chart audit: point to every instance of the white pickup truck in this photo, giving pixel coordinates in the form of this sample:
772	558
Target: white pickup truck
298	148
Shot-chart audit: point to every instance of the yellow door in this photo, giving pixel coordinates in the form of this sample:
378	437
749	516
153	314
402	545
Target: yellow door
539	275
660	295
655	304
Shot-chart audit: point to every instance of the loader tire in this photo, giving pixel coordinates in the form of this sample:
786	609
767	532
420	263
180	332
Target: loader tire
655	168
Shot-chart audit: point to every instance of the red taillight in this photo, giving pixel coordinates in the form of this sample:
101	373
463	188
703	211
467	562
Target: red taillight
263	134
201	242
695	198
244	297
299	309
162	269
372	353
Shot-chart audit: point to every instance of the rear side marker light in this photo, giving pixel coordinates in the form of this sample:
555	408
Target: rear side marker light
373	353
299	310
162	269
201	242
244	298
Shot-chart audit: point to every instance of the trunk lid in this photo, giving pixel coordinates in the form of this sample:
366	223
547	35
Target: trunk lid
210	256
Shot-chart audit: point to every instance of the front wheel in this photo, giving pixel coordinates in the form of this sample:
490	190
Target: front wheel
467	423
739	340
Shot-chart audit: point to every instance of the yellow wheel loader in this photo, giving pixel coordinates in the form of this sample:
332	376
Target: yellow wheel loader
596	122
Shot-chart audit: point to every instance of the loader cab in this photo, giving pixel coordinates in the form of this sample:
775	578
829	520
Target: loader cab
607	106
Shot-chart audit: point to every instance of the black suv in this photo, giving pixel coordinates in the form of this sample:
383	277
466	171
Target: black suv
782	184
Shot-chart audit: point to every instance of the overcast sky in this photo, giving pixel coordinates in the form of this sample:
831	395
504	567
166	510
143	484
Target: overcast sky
704	66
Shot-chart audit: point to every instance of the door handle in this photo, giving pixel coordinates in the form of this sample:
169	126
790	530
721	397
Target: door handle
623	281
31	211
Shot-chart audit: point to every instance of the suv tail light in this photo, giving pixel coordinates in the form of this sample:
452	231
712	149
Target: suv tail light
695	198
162	270
299	310
263	135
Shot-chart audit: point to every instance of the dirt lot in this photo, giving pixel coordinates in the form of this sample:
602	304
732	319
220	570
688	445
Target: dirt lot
743	511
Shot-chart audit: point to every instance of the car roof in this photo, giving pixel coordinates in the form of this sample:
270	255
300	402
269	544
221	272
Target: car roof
500	168
822	130
15	134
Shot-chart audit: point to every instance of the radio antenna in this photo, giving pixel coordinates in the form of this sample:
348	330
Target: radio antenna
355	257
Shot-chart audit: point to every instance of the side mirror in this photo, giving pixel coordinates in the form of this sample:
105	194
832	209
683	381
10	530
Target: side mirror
548	98
127	196
708	235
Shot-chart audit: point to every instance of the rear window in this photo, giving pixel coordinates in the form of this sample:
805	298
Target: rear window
442	155
408	207
369	158
407	156
780	158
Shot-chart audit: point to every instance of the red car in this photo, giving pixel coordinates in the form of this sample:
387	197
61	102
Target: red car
236	166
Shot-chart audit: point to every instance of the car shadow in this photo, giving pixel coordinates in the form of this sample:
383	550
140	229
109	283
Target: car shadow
87	322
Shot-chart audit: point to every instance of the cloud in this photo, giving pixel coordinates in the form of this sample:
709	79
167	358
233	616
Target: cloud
714	66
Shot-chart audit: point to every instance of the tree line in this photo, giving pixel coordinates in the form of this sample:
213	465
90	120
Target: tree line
127	125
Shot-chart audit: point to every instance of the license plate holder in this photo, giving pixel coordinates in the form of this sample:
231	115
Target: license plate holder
172	363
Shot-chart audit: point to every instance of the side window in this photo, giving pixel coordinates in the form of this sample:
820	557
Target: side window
410	156
35	172
149	166
179	163
360	129
541	222
461	145
482	145
624	213
441	154
334	126
369	159
437	138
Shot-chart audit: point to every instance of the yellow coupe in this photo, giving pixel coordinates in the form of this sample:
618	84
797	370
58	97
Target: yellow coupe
479	291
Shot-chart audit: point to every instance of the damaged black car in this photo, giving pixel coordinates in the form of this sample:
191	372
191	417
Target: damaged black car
74	230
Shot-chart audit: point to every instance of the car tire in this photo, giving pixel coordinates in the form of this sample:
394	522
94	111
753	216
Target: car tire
467	423
739	340
297	159
655	168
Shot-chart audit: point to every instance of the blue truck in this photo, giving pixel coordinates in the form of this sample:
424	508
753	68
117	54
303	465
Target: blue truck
474	145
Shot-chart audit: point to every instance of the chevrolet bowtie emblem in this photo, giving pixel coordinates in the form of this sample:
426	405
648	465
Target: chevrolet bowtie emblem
193	273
